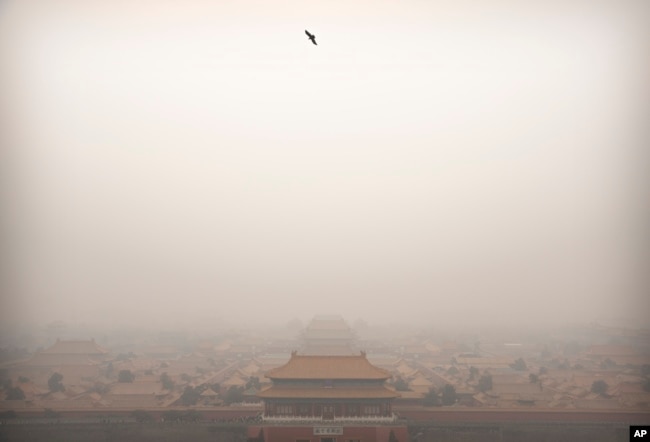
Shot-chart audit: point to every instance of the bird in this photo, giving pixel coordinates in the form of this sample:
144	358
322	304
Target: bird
312	37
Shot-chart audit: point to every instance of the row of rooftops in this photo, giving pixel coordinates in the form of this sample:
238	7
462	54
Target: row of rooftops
313	364
359	367
298	367
75	347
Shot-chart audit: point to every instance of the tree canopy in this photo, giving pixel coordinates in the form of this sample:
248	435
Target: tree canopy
125	376
449	396
519	365
431	399
55	383
599	387
401	384
485	383
166	381
190	396
15	394
253	382
234	394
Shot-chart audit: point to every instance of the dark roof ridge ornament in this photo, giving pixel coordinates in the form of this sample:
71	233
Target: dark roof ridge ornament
363	353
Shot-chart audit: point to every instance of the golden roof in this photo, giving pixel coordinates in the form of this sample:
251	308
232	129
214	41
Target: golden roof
328	368
378	392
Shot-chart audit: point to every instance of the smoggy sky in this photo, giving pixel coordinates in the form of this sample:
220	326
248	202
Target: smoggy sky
427	161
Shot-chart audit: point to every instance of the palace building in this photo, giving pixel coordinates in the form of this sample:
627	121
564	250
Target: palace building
328	399
328	335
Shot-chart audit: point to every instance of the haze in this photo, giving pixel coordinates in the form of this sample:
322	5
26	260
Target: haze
475	162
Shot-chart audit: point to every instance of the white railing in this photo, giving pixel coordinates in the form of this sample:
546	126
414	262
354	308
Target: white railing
337	420
246	404
369	419
290	418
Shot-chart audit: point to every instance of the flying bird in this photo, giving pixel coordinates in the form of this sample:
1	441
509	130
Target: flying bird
312	37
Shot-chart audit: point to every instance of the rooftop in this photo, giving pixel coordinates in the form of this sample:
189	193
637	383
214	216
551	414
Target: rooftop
75	347
379	392
328	328
328	367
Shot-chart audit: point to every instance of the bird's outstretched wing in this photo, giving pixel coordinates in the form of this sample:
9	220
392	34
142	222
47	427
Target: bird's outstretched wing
312	37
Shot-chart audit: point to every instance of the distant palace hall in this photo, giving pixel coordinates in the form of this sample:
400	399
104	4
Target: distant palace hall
328	335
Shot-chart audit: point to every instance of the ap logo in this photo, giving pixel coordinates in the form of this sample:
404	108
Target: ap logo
640	432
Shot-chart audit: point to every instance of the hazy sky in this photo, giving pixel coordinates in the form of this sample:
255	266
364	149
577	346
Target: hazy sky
428	160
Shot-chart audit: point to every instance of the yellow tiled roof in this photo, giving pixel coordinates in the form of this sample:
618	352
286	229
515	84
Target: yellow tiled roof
328	367
378	392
